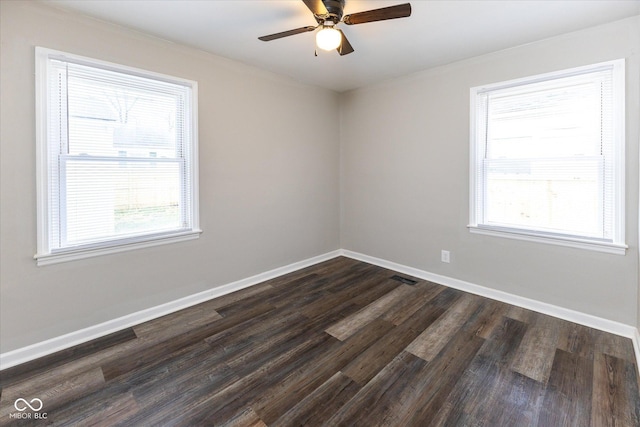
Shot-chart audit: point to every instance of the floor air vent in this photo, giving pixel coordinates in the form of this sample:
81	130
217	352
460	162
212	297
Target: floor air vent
404	280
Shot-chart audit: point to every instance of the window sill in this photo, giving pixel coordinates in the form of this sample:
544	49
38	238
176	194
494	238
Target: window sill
114	247
611	248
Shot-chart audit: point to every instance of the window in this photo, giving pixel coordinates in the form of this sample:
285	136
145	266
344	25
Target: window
547	158
117	157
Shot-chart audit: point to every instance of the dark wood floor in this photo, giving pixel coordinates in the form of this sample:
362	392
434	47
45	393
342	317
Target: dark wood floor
338	344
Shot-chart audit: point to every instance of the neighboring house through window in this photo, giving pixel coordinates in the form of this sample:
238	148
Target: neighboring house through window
117	157
547	158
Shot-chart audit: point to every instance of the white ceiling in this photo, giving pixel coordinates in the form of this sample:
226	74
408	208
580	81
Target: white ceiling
438	31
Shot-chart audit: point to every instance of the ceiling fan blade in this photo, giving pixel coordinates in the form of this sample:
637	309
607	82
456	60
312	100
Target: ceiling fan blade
286	33
345	47
316	7
391	12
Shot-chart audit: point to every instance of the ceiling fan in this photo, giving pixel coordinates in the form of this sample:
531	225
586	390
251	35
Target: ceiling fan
329	13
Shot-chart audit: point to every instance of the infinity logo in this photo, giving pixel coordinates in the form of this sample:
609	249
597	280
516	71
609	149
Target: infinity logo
24	404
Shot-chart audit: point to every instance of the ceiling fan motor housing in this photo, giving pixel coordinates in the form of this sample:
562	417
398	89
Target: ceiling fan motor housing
335	9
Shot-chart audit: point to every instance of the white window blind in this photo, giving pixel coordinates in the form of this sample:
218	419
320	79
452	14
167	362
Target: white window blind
547	156
119	156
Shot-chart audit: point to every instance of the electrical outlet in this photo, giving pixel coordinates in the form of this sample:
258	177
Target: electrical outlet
445	256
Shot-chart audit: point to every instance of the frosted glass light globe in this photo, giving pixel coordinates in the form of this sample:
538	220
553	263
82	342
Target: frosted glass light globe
328	38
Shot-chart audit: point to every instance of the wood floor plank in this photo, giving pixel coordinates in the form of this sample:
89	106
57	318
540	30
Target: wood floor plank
567	400
178	392
262	351
278	398
52	391
429	343
272	297
378	287
349	326
176	323
76	367
243	294
269	292
577	339
260	328
156	350
33	368
230	401
358	410
371	361
358	275
319	405
431	310
613	403
199	363
333	270
614	345
262	357
428	391
355	293
94	412
535	355
521	314
403	309
182	380
311	289
497	397
286	393
335	358
489	315
247	418
156	388
482	380
502	345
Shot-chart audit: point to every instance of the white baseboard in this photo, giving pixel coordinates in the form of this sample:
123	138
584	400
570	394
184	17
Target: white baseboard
50	346
636	346
530	304
44	348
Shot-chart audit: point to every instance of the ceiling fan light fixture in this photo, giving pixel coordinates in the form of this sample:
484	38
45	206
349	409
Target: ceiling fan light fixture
328	38
329	13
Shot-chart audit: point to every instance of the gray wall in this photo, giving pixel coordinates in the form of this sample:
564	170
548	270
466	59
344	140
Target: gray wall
268	183
393	183
405	178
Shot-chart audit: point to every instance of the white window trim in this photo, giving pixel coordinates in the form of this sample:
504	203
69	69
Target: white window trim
44	255
516	234
617	246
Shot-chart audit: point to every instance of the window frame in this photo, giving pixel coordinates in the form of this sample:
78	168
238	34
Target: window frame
46	254
477	145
